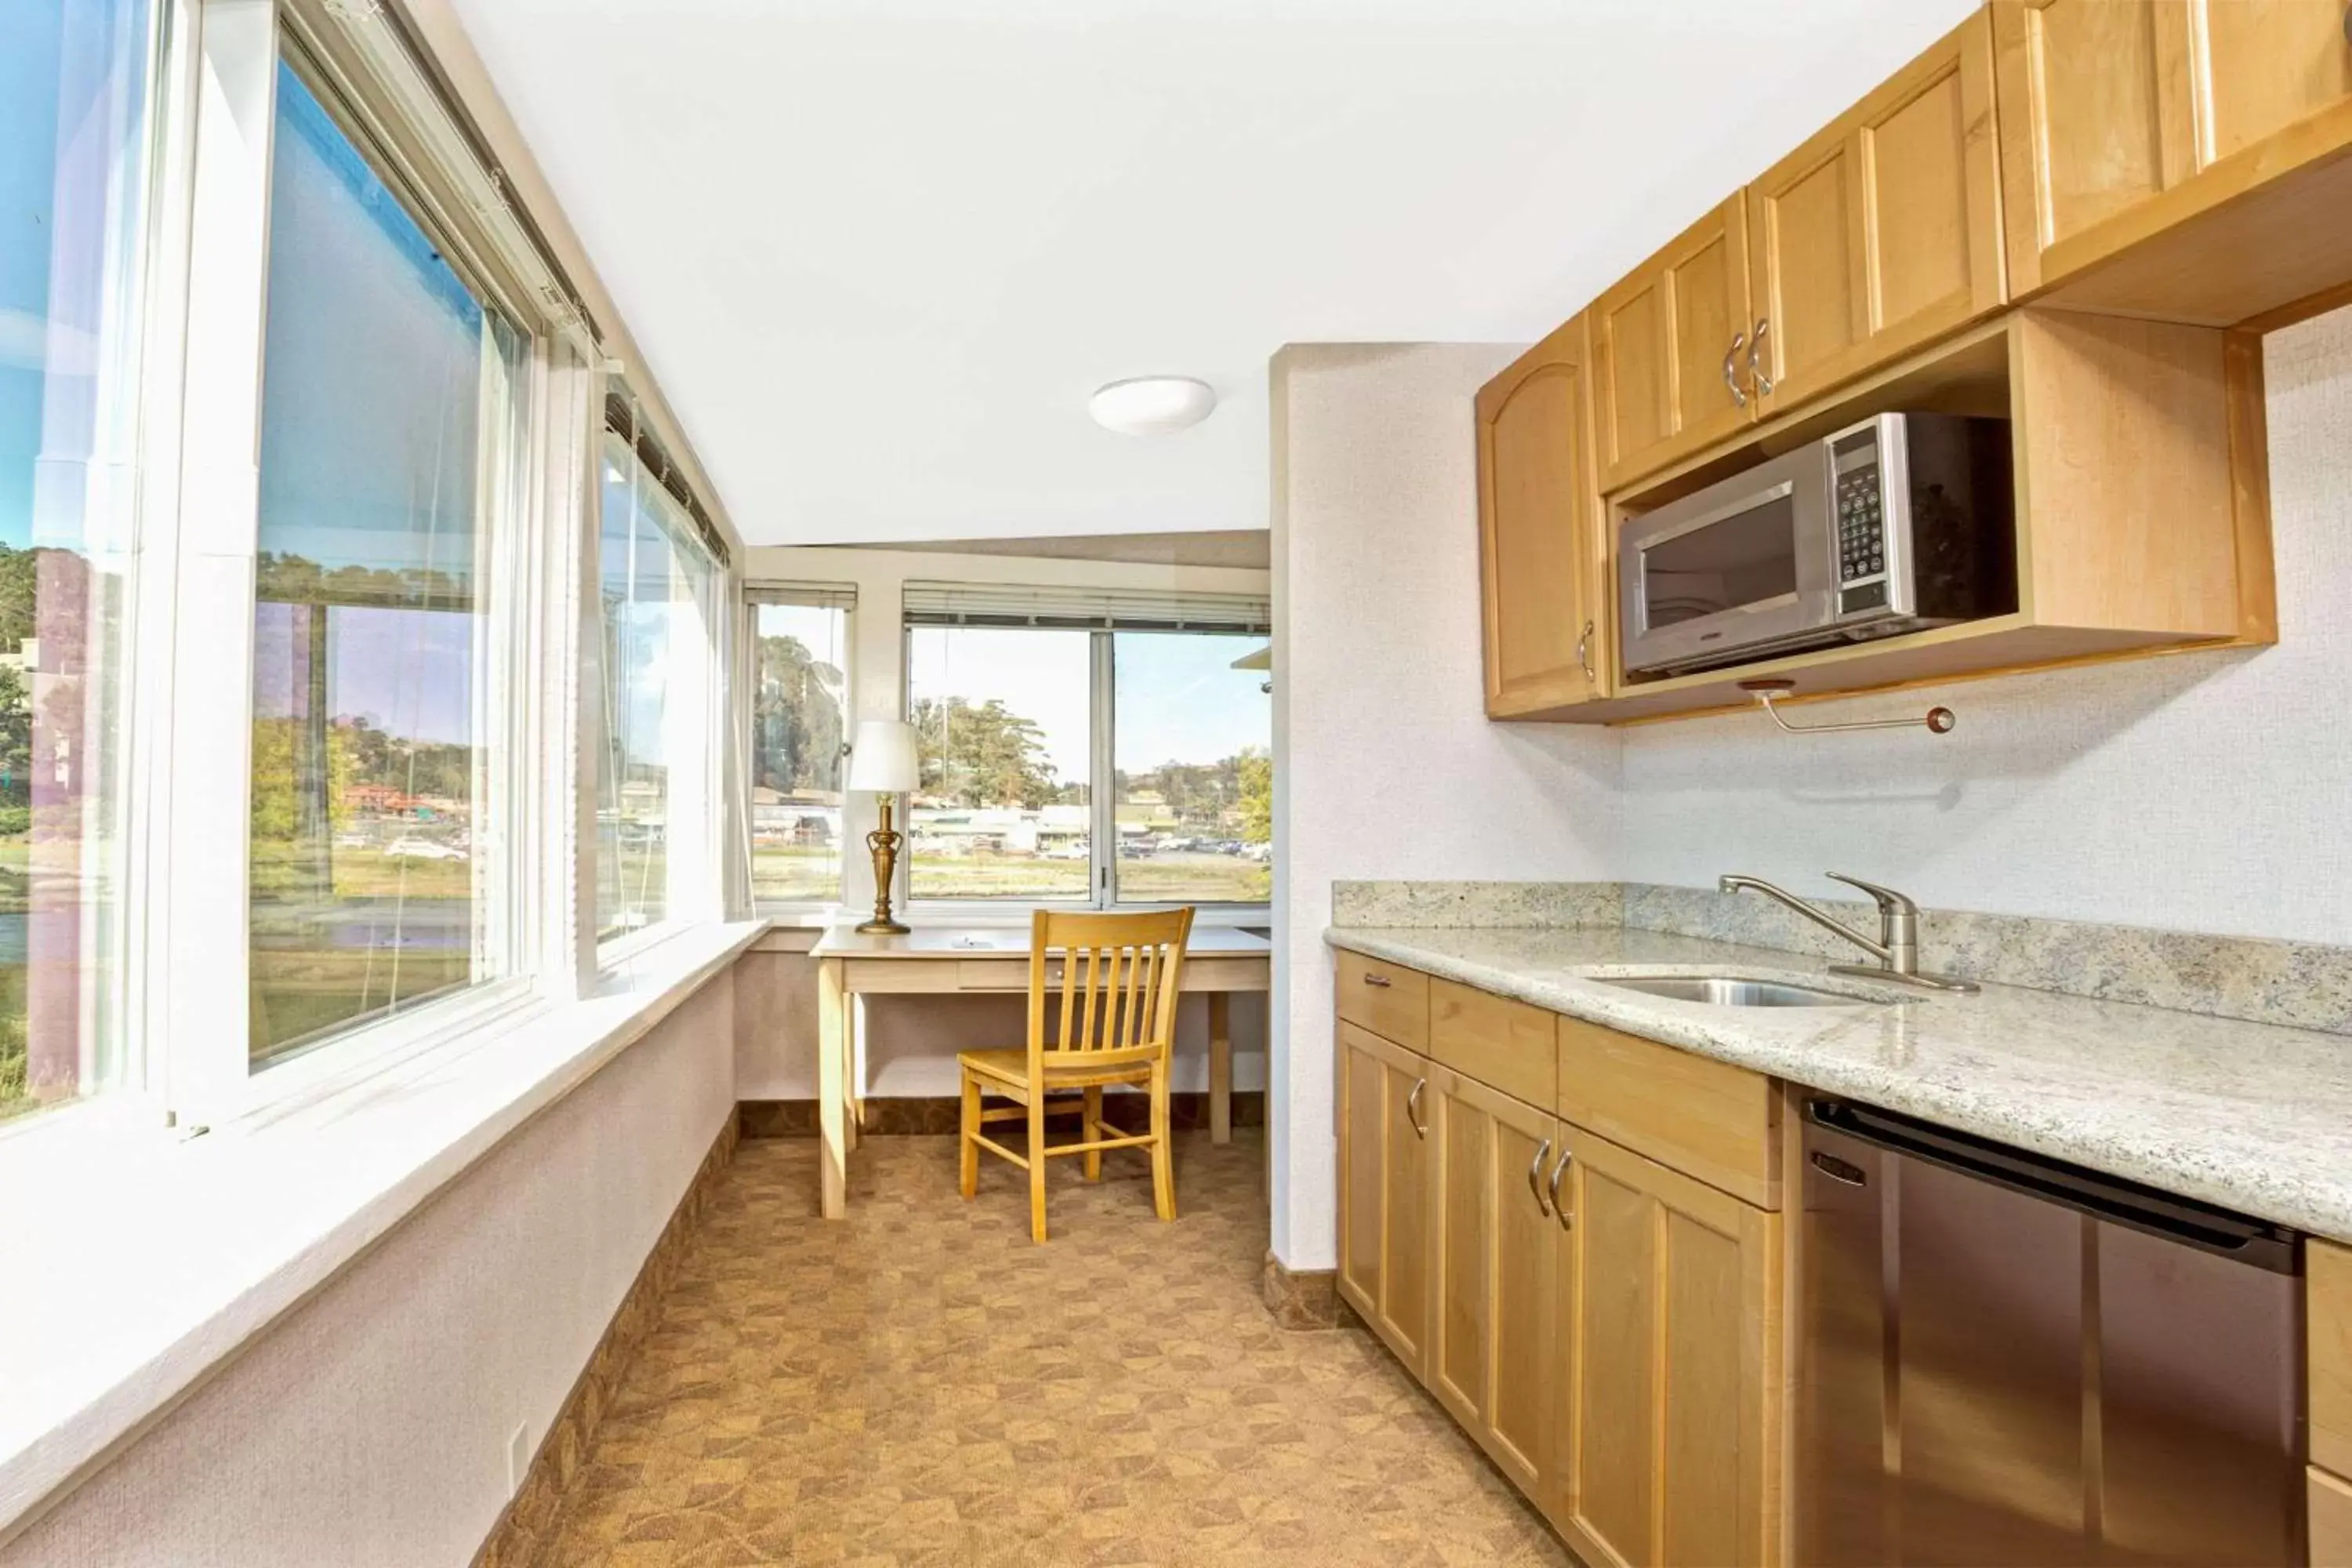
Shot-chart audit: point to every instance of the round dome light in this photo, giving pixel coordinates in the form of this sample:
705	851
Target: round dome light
1152	404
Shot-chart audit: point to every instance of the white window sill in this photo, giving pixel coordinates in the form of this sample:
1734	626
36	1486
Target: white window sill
138	1262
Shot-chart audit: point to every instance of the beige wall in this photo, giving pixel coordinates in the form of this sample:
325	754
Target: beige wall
370	1426
1386	767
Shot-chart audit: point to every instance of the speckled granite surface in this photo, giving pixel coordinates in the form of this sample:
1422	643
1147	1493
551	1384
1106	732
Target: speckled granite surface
2255	1117
2305	985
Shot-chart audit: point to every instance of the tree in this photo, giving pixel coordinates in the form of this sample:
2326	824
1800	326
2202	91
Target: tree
982	755
15	739
795	719
1255	769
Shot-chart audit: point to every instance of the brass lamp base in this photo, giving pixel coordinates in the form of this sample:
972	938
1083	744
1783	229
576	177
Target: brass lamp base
883	844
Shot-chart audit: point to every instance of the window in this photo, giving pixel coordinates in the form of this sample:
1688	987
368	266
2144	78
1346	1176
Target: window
800	659
1193	801
386	390
1025	697
1003	725
656	773
74	96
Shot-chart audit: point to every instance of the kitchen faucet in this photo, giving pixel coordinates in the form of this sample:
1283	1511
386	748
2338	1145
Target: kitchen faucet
1897	947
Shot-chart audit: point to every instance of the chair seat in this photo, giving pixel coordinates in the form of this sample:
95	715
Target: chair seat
1011	1068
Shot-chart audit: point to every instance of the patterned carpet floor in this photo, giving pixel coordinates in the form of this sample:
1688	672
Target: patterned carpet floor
920	1385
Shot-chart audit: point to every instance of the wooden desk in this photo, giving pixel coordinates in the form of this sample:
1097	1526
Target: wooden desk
983	960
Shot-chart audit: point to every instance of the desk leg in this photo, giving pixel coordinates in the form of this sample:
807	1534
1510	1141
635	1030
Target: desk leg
832	1090
853	1028
1221	1067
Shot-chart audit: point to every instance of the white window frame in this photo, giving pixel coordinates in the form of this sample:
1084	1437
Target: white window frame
699	888
754	593
186	966
1102	741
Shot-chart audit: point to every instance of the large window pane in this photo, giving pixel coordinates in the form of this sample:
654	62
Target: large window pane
656	587
798	698
1194	797
1003	809
73	103
385	382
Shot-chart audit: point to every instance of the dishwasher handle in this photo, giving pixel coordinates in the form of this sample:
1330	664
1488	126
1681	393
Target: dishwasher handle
2187	1221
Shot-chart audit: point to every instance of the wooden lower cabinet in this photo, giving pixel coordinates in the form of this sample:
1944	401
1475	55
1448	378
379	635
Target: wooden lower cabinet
1490	1358
1668	1366
1386	1231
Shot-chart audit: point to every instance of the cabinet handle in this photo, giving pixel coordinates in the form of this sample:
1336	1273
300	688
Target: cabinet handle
1558	1209
1412	1108
1731	378
1379	980
1535	1176
1584	651
1762	383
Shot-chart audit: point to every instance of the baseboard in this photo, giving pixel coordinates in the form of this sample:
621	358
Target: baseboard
524	1531
1301	1299
936	1115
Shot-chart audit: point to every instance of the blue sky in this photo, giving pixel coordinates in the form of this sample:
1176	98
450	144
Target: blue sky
29	122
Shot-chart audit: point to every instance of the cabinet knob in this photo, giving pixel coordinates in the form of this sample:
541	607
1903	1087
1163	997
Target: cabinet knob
1731	376
1535	1176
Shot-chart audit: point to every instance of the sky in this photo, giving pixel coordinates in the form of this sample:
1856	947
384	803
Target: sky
1181	699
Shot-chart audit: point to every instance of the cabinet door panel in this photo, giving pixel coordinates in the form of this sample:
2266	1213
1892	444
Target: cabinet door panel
1405	1232
1385	1234
1661	338
1882	231
1491	1358
1538	529
1361	1120
2270	63
1671	1446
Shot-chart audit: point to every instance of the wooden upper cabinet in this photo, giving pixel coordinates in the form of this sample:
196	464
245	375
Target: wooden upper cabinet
1883	232
2268	65
1540	553
2122	119
1670	350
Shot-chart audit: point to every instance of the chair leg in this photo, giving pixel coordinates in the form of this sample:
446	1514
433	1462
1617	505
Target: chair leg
968	1147
1037	1163
1093	1130
1164	1170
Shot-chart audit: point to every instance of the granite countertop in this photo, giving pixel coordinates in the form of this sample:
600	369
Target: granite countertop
2254	1117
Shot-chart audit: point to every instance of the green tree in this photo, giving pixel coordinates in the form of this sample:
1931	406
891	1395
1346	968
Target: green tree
1255	771
795	719
983	755
281	775
16	738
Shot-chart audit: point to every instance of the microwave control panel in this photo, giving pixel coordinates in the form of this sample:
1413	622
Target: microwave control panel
1861	523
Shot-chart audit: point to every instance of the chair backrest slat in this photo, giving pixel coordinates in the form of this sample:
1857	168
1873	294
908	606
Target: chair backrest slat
1120	975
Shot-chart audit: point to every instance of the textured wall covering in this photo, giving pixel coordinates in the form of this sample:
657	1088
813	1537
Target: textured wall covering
371	1427
1389	769
2200	792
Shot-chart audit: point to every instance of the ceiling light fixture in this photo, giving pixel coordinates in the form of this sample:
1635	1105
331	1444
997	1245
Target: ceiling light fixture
1152	404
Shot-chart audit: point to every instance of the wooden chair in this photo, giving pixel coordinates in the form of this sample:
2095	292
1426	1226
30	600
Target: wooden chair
1116	1024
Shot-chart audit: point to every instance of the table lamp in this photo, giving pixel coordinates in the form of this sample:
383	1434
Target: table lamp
882	762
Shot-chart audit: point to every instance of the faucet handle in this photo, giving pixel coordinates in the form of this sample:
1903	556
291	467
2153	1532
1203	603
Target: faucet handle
1890	902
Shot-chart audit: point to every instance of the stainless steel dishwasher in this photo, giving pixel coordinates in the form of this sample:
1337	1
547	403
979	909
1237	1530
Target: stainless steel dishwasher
2006	1360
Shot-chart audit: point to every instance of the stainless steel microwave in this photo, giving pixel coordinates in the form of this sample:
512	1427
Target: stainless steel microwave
1898	523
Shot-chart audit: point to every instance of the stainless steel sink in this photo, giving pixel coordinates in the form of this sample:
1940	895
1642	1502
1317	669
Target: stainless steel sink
1734	991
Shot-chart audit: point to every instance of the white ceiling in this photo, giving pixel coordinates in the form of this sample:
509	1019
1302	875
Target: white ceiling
877	252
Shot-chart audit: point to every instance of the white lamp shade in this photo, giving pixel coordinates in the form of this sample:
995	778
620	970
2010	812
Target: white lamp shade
882	757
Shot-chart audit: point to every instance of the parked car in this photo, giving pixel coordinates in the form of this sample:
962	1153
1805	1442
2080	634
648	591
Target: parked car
415	848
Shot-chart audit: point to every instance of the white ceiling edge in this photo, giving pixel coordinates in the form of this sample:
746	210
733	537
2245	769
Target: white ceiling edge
879	253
